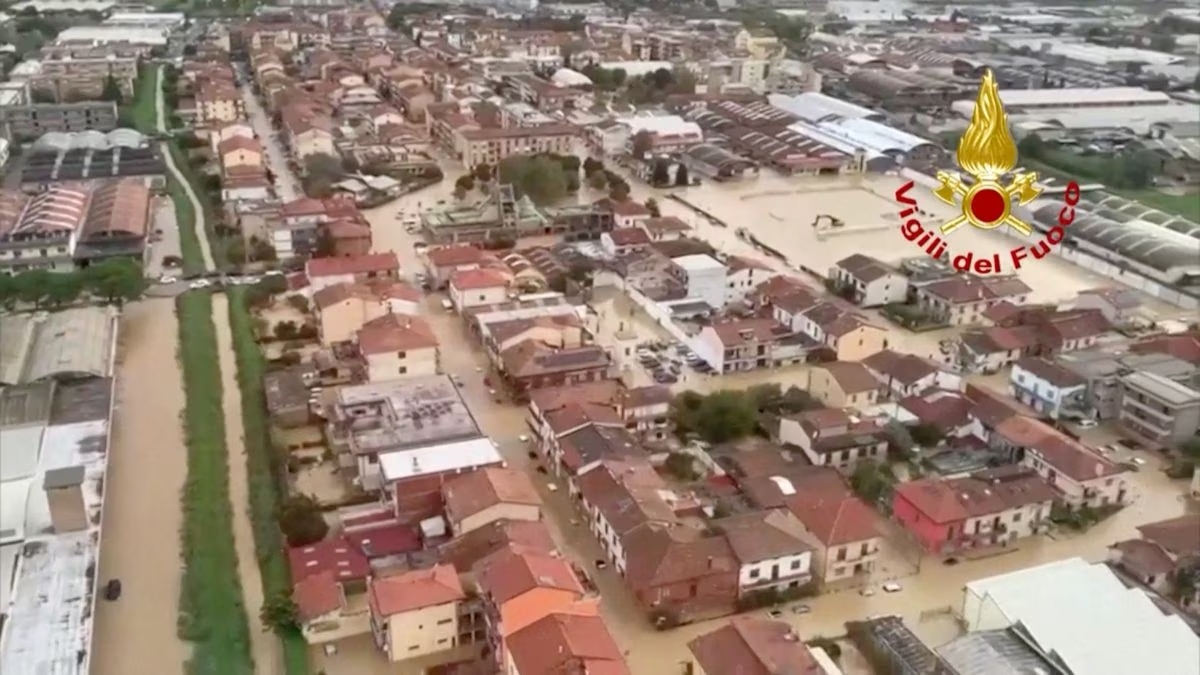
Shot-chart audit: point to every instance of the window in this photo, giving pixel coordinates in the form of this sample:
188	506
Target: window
401	355
795	564
403	370
443	622
414	648
754	573
1017	517
841	554
866	549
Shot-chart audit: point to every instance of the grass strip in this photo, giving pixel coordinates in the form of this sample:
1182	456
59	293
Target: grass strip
212	612
215	245
267	481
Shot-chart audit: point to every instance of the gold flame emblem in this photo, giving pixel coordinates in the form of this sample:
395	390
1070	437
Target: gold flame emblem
987	152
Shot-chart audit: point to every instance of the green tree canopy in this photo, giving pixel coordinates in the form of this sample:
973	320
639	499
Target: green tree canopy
541	178
721	416
301	520
116	280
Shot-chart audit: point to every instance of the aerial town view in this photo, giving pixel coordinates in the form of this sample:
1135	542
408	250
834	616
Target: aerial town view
625	337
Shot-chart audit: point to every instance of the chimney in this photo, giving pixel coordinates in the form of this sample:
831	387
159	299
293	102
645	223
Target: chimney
64	493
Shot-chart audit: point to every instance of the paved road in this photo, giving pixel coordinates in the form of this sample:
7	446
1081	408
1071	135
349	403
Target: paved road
286	184
168	243
199	224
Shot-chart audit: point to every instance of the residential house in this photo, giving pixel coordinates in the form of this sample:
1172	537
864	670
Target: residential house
993	349
1047	387
843	384
561	331
564	642
397	345
753	646
329	588
479	498
555	412
349	238
342	309
665	228
848	336
475	146
416	613
465	550
323	272
627	213
948	412
237	129
478	288
833	437
624	240
743	275
308	132
618	497
841	526
218	103
678	574
1158	410
238	150
1081	476
961	299
736	345
771	548
900	374
1167	551
1120	306
532	365
995	507
442	262
868	282
522	588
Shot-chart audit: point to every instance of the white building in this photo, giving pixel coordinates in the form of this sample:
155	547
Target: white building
1046	386
670	133
771	548
704	277
871	282
1084	616
478	288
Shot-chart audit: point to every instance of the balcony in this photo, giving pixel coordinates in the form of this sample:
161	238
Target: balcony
801	578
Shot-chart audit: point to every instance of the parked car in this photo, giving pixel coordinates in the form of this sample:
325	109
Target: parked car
1087	424
112	589
892	587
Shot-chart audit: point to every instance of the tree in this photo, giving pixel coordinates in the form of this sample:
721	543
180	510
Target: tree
926	435
871	481
279	612
660	172
116	280
721	416
286	330
8	291
681	176
112	90
31	287
618	191
652	207
483	172
63	289
301	520
681	465
464	184
298	302
321	171
538	177
597	180
592	166
642	143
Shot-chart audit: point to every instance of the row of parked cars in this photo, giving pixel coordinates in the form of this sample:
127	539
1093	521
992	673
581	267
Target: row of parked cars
665	361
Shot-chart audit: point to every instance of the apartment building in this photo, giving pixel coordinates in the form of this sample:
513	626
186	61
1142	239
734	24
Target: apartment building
81	73
34	120
1157	409
1081	476
962	300
489	146
746	344
1047	387
832	437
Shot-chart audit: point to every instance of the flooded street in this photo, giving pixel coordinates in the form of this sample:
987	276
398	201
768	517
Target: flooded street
780	212
147	466
264	646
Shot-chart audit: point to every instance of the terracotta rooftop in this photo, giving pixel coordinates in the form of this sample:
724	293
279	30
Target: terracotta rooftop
1051	372
508	574
317	595
628	494
467	280
629	236
415	590
950	501
395	333
376	263
1179	536
471	493
905	369
553	398
531	358
851	376
1063	453
562	644
374	291
520	535
335	555
864	268
754	646
763	535
628	208
659	555
833	516
961	289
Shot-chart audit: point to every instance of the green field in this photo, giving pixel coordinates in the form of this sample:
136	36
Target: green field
212	612
1086	169
267	484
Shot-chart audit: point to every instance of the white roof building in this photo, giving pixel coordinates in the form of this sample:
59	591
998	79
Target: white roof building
565	77
1080	615
815	107
662	125
435	459
638	68
153	37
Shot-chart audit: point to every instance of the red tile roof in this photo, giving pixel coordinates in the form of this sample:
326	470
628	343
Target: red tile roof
520	535
753	646
563	644
1066	455
629	236
627	207
467	280
360	264
471	493
380	542
317	595
507	574
834	517
395	333
334	555
452	256
984	494
1179	536
415	590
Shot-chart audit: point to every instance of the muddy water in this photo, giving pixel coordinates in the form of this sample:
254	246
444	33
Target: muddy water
147	466
264	647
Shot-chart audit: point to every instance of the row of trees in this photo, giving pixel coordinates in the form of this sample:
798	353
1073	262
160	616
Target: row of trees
117	280
731	414
1131	170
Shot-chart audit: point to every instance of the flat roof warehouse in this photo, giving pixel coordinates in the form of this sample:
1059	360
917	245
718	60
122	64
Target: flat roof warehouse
55	407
